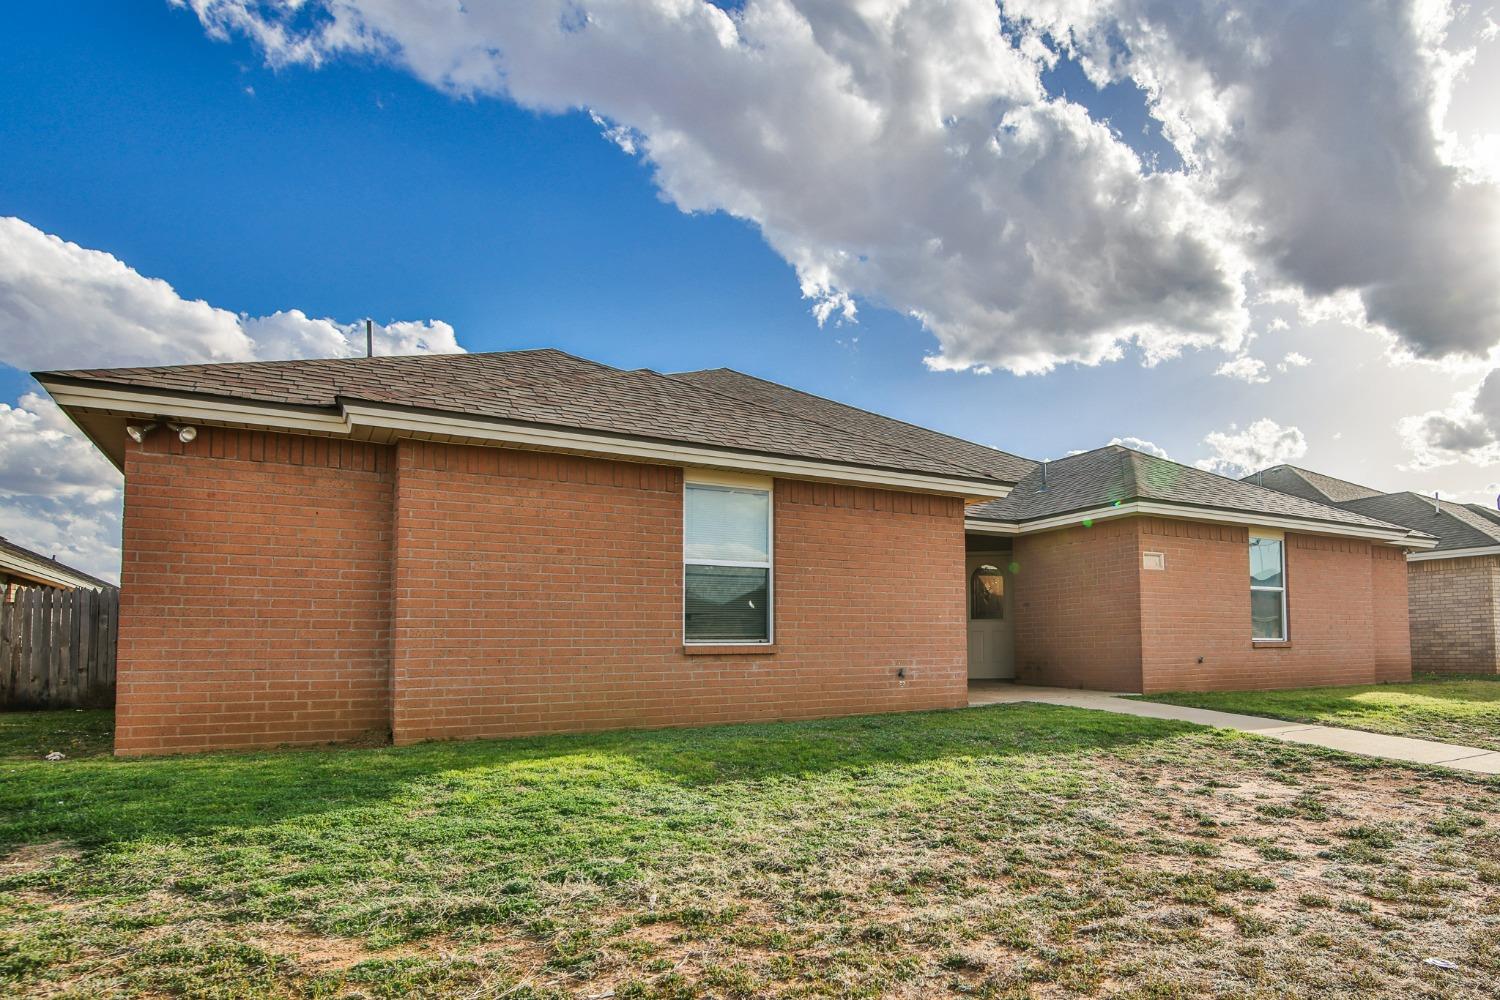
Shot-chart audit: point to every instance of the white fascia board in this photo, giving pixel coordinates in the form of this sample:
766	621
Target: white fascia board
1151	509
975	526
1478	550
168	406
661	452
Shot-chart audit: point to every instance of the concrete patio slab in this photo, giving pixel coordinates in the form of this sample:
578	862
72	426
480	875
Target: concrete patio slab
1397	748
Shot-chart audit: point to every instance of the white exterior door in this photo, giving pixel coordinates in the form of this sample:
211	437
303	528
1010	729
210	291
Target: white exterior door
991	625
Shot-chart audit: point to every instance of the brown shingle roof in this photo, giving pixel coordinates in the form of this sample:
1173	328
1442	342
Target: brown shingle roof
989	461
1116	474
1454	524
1309	485
550	388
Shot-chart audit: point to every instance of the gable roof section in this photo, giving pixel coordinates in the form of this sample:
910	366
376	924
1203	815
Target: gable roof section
1454	524
1488	513
22	562
1309	485
1000	464
551	389
1115	476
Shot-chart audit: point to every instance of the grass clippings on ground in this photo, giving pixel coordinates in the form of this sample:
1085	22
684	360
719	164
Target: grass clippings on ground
1015	851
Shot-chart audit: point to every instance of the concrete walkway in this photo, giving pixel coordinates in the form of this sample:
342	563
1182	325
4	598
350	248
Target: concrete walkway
1400	748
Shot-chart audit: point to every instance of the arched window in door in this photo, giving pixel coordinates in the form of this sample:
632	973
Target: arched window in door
987	593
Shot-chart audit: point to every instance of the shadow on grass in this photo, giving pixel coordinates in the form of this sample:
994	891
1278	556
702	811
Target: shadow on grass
104	801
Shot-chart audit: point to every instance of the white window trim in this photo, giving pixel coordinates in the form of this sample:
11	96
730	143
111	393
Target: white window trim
714	479
1286	625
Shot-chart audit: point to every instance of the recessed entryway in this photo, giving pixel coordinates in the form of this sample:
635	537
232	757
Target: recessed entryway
991	620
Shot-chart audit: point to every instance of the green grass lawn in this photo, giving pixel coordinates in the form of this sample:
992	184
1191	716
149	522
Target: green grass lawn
1449	710
1013	851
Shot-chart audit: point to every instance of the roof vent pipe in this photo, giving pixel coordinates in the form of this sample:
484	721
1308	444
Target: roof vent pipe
1044	472
1435	508
369	338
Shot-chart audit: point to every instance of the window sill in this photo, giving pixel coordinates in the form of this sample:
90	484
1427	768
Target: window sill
730	649
1270	643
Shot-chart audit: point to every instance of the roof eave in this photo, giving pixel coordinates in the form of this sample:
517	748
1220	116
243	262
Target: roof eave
1393	535
353	419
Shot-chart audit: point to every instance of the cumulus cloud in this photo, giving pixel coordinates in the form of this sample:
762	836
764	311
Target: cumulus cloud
1322	123
905	154
62	306
1293	360
908	154
1237	453
1140	444
1468	430
1244	368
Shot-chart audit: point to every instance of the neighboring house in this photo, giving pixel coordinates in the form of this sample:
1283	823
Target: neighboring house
1130	572
21	567
1454	587
502	544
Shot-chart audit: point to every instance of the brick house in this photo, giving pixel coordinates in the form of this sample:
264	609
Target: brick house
463	546
1453	588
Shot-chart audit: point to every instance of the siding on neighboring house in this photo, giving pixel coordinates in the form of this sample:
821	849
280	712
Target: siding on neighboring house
543	593
1455	614
255	592
1090	615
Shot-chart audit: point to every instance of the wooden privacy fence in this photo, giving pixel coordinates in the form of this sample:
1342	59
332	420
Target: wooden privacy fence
57	648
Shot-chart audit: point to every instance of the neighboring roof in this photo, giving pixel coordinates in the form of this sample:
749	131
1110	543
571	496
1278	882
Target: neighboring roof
1488	513
1309	485
1000	464
1115	474
1454	524
548	388
22	562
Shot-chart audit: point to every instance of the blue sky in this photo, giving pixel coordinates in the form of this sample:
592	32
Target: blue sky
364	186
355	190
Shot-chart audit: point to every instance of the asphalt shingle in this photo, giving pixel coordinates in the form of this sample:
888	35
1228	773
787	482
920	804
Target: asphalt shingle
1309	485
1454	524
1116	474
551	388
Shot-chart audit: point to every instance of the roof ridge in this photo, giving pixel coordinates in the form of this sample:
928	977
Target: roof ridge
827	426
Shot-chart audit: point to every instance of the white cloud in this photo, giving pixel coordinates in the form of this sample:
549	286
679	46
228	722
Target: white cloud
1293	360
62	306
1467	430
1237	453
58	495
904	154
1140	444
1244	368
907	154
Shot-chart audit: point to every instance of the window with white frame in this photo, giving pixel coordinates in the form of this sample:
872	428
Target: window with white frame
726	580
1267	589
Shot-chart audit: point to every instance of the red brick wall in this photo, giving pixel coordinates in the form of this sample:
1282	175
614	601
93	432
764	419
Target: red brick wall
1388	583
1089	615
540	593
1077	600
255	592
1455	615
1199	606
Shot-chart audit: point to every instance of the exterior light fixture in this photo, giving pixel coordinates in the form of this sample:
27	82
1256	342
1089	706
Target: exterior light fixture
185	433
138	432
